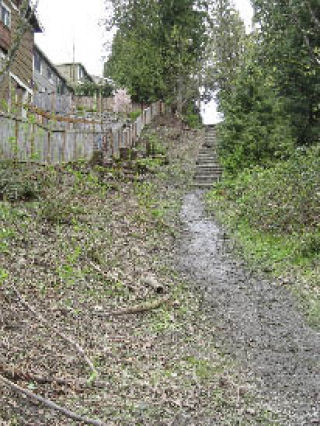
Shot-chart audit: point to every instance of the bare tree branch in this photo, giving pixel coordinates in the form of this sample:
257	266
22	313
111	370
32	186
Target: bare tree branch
50	404
79	349
13	373
137	309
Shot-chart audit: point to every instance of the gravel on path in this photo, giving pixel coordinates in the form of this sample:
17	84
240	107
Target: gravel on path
259	322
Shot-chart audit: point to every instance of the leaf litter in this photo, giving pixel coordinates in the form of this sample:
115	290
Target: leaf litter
91	251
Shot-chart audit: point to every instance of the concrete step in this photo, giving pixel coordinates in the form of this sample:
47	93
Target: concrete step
206	153
202	172
213	165
209	166
202	185
209	160
206	164
208	170
209	178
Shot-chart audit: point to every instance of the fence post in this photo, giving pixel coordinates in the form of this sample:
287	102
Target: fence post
131	135
49	147
110	133
32	140
16	140
64	143
74	145
119	139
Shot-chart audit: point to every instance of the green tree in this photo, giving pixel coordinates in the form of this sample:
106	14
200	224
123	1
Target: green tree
225	51
158	48
256	129
289	32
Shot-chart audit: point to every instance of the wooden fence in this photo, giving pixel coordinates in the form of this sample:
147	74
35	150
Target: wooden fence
59	141
69	104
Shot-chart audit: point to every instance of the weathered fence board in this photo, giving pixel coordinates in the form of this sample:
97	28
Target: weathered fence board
57	141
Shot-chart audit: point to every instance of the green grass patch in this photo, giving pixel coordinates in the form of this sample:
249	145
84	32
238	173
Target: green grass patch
274	216
133	115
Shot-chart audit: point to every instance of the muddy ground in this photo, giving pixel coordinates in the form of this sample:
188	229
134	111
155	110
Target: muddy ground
257	322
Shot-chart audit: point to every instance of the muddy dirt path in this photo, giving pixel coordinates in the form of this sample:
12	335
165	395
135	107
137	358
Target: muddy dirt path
258	322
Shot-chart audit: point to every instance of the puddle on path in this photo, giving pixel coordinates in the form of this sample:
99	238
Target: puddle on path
259	323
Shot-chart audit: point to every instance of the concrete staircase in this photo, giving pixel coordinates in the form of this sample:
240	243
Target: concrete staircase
208	169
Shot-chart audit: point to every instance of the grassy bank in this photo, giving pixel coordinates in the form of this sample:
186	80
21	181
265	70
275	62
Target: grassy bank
274	216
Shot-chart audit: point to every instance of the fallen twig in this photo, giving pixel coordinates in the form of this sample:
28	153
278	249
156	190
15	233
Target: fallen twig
98	269
143	307
152	282
49	403
16	374
59	333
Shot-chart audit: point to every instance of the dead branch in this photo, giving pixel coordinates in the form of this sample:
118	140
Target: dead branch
98	269
143	307
68	339
152	282
50	404
13	373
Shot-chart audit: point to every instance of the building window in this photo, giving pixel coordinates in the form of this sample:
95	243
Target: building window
49	73
5	15
60	87
37	62
80	73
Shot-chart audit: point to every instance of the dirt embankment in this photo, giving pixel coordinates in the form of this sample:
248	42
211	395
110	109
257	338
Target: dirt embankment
93	259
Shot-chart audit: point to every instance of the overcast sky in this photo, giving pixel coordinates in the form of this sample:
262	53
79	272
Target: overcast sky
77	21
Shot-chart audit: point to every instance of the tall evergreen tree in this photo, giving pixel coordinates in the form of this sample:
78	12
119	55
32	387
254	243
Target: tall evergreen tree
158	48
290	35
226	46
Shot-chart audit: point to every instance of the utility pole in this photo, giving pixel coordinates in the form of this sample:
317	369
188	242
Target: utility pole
74	61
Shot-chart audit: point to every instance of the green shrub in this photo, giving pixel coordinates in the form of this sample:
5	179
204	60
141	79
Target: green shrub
17	184
59	211
193	120
274	215
284	198
134	114
256	129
